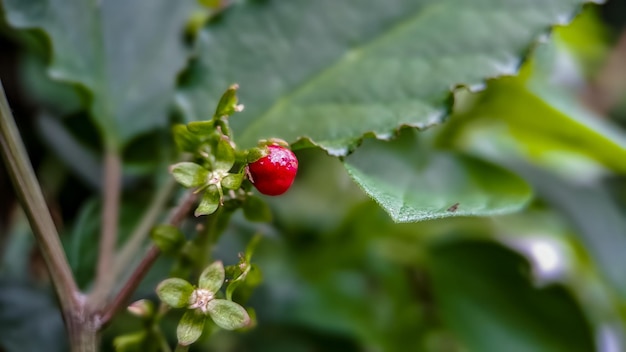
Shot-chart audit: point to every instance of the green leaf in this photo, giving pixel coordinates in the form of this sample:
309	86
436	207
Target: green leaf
168	238
256	209
190	327
228	102
413	183
212	278
224	155
175	292
228	314
485	296
189	174
185	140
394	67
209	203
128	65
205	128
232	181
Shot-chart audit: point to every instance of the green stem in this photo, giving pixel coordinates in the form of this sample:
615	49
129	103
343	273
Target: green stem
32	200
105	277
214	227
181	348
204	240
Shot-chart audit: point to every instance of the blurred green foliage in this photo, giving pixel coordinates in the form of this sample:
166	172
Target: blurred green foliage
512	203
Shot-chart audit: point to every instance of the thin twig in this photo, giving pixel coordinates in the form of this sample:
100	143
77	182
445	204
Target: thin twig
121	299
32	200
105	277
139	234
605	91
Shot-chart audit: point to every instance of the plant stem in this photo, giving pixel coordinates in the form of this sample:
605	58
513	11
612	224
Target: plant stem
83	333
32	200
139	234
181	348
105	277
121	299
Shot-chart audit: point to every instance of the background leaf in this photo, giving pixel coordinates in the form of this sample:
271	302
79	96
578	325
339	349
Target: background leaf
308	76
515	116
126	54
600	224
494	307
413	183
26	313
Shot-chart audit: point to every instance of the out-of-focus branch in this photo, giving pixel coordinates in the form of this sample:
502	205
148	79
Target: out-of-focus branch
105	277
609	85
176	218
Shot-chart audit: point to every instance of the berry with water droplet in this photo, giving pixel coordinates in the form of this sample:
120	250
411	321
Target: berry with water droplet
274	173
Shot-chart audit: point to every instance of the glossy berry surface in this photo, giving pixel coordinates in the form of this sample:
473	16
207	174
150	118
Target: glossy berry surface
274	173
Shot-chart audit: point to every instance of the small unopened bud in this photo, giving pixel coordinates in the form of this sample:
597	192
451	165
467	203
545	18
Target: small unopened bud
142	308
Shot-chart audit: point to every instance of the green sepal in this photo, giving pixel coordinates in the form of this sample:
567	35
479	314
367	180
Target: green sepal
224	155
190	327
228	102
210	201
185	140
189	174
232	181
175	292
256	209
228	315
256	153
168	238
212	278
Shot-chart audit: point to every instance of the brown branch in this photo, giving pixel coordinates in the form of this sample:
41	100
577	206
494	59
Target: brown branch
29	193
121	299
605	91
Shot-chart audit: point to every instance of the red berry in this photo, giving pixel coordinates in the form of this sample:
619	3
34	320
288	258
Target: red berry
273	174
